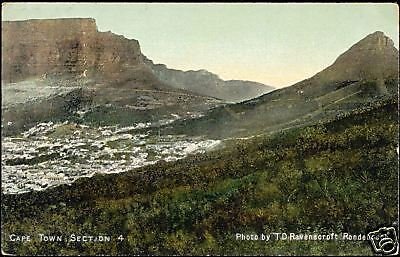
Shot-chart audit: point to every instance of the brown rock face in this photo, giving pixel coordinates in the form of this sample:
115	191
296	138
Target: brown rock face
74	48
64	47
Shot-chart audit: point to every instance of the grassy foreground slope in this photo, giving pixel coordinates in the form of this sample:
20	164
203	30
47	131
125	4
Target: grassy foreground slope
339	176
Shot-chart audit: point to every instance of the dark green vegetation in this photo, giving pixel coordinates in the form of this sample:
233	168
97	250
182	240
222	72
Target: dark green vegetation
336	176
111	115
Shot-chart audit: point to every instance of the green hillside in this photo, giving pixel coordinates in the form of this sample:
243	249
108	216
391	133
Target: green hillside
337	176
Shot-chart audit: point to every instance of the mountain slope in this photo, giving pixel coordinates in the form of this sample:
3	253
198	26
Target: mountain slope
207	83
373	57
365	73
313	180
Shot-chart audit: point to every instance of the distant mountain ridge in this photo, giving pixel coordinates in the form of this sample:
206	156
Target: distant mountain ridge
207	83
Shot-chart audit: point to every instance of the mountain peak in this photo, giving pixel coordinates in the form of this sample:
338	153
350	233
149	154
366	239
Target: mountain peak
373	57
378	40
376	34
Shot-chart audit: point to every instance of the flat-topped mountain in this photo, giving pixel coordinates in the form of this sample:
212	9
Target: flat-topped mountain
70	48
72	53
36	47
75	48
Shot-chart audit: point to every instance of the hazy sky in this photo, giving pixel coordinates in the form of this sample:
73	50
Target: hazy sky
276	44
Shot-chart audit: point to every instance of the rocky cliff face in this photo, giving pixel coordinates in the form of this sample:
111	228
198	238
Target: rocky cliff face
75	48
209	84
64	47
66	53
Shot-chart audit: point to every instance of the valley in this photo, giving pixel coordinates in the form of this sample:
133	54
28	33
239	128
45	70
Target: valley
97	139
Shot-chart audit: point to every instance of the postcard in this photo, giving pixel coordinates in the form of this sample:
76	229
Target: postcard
199	129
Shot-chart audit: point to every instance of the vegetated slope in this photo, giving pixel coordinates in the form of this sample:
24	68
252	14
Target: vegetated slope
333	177
207	83
367	72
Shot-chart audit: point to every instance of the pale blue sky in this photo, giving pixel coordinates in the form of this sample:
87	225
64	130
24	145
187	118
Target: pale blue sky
276	44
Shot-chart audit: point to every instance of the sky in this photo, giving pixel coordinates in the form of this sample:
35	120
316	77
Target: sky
275	44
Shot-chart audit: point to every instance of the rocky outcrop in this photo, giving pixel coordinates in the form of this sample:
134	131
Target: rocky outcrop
209	84
64	47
